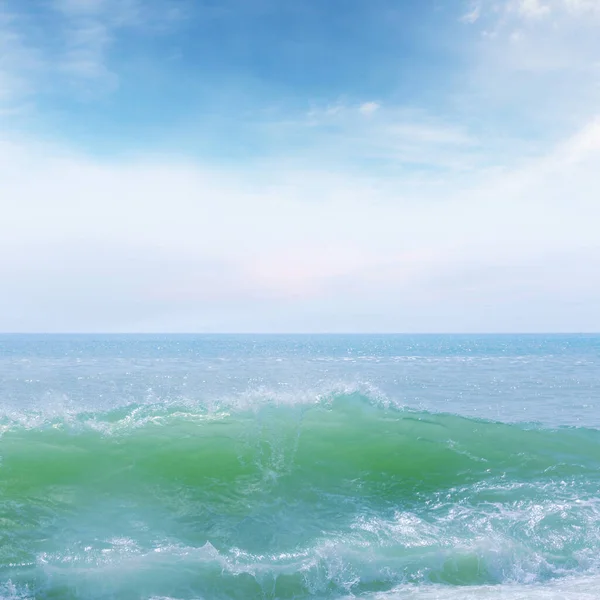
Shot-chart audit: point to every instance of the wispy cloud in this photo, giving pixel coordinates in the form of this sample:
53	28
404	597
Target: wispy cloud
375	136
535	67
368	108
473	13
19	63
86	47
530	9
583	6
533	8
230	247
76	53
90	29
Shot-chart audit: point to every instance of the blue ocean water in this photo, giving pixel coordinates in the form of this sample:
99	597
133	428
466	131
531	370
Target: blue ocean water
191	467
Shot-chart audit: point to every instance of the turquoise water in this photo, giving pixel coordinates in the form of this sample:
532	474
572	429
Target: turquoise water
380	467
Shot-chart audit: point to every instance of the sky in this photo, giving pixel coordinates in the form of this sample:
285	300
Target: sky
300	166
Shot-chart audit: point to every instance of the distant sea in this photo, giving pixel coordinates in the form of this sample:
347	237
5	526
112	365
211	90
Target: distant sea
279	467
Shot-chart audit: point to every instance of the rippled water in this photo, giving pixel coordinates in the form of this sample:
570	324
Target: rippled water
297	467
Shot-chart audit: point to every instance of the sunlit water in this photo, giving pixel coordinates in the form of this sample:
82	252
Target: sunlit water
450	467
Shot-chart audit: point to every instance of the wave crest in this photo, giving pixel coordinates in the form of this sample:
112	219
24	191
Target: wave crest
338	494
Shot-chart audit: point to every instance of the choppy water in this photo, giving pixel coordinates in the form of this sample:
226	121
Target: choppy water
449	467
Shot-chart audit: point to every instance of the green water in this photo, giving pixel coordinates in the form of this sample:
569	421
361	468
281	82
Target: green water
343	496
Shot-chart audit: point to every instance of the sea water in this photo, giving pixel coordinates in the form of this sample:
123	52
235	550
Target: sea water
381	467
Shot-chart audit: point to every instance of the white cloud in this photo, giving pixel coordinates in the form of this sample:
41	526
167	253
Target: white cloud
368	108
78	58
585	143
81	7
503	12
536	72
154	245
391	137
18	62
533	8
583	6
473	13
89	30
85	53
529	9
405	220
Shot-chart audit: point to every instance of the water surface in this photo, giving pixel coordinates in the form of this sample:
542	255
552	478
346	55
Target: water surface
191	467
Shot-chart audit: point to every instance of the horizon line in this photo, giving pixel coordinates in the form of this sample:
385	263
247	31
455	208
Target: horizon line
288	333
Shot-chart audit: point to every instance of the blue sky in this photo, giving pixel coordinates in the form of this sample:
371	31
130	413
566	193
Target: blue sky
179	165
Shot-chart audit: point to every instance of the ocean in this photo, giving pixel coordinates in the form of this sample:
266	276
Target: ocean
279	467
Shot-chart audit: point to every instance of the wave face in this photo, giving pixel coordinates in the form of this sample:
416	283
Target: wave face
339	496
